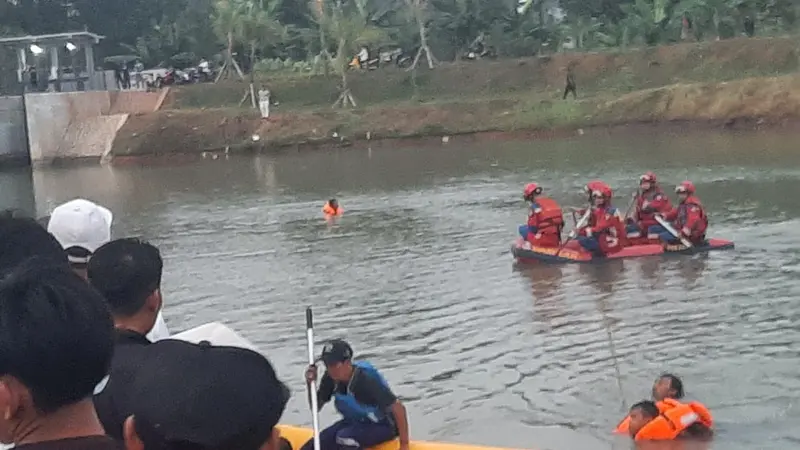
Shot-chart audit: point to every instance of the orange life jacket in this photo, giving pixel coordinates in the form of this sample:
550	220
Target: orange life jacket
329	211
624	426
672	422
550	216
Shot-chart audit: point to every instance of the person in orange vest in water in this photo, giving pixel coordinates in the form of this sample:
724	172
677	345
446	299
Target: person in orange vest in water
545	221
666	386
679	420
332	208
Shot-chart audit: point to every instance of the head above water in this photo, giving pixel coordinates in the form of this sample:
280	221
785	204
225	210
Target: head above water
56	342
333	203
641	414
667	386
337	355
127	272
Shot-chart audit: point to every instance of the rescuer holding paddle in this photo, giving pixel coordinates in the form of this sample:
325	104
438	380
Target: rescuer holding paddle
372	414
650	200
605	232
689	218
545	220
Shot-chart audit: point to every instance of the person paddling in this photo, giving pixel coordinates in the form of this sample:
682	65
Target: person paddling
545	220
332	208
372	414
650	200
605	232
689	219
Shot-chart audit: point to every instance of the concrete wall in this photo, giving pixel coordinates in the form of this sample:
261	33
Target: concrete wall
13	144
73	125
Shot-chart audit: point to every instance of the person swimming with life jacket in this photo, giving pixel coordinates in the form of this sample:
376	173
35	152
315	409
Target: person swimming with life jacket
679	421
545	221
372	414
666	386
689	218
605	232
650	200
332	208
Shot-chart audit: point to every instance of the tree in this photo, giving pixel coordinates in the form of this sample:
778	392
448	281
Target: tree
715	15
258	26
419	10
229	16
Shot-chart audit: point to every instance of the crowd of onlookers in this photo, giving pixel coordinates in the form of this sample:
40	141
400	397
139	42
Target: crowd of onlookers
85	358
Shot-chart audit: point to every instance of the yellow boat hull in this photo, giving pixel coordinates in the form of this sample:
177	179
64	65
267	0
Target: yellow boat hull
298	436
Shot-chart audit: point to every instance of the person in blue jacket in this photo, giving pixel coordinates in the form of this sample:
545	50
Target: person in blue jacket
371	413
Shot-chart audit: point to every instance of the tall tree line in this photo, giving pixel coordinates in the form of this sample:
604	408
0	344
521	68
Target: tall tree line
434	30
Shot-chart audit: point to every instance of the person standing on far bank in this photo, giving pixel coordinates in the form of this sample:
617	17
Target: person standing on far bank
570	87
371	413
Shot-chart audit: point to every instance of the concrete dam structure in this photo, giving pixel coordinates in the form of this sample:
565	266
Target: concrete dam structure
47	127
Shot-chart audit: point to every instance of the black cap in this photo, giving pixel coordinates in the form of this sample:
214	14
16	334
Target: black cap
212	397
336	351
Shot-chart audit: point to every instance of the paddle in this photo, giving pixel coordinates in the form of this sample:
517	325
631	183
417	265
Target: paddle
572	234
313	385
672	231
630	205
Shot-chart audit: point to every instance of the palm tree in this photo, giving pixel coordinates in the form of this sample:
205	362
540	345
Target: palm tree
228	18
258	26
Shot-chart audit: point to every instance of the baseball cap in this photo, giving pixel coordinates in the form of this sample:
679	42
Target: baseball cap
336	351
80	223
203	396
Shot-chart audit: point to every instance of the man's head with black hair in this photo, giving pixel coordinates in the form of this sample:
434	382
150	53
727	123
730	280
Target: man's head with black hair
667	386
641	414
23	237
56	342
127	272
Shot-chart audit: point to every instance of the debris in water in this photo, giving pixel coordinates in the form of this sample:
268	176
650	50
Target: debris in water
445	139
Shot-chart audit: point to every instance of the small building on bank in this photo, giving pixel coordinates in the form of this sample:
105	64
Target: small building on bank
62	62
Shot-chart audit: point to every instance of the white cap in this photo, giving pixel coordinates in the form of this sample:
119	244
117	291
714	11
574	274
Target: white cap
81	223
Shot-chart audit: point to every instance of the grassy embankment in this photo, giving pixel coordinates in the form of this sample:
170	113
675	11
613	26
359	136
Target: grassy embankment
713	81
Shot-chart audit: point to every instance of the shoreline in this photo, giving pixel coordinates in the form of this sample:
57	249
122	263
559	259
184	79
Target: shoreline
749	103
473	137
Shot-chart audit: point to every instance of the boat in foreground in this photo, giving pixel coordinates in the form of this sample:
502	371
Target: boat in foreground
297	436
573	253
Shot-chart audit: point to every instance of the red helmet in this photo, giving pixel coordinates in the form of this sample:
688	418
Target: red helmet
648	177
595	185
601	190
687	187
532	189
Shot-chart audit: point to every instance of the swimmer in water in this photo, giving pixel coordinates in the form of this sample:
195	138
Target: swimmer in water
332	208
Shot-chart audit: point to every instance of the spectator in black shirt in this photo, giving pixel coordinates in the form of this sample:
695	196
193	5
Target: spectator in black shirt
127	272
371	412
56	341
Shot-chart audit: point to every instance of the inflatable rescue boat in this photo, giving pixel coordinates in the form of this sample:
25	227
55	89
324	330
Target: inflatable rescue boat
297	436
572	252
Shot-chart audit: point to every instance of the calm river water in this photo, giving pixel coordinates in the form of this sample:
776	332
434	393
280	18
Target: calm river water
418	277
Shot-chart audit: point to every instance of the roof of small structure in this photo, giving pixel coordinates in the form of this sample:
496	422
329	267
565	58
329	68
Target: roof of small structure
58	38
